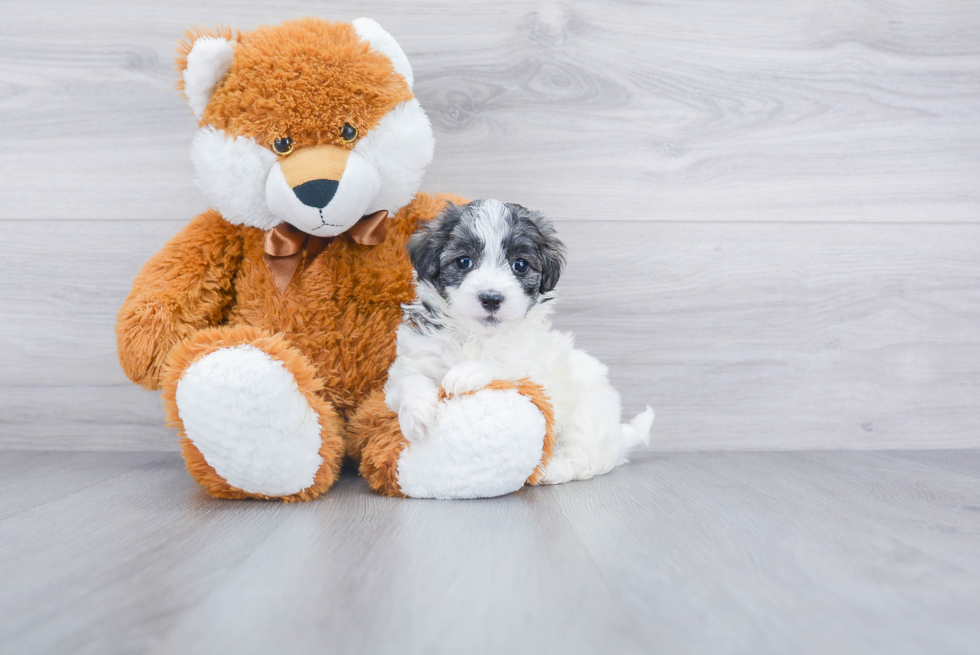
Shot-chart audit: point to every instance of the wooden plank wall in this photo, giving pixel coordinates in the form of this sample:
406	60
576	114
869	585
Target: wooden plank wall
773	208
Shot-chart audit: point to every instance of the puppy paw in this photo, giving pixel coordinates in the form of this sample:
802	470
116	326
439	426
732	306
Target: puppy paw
415	416
562	468
466	377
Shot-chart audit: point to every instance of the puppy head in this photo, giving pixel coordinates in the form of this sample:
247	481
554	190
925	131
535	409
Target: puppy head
491	262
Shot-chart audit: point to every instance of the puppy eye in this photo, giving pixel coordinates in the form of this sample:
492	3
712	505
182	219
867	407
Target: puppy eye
348	133
464	263
282	145
520	266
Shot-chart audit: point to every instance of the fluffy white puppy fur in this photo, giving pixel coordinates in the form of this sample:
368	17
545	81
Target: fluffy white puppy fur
485	278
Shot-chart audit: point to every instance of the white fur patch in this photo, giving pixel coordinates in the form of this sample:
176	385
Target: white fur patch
238	177
493	274
383	42
207	64
231	174
636	433
401	148
483	445
245	413
490	224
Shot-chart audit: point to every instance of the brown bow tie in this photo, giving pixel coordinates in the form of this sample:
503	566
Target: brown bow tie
286	245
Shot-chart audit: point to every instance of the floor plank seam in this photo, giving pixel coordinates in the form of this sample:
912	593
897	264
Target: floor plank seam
88	486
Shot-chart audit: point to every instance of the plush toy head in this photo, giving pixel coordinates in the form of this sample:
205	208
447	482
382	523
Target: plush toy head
311	123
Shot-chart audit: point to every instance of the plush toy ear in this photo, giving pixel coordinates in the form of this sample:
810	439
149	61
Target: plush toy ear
204	58
369	30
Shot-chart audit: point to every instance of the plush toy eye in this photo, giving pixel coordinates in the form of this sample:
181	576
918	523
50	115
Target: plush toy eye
348	133
464	263
520	266
282	145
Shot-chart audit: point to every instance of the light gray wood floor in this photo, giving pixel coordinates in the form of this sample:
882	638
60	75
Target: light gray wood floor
809	552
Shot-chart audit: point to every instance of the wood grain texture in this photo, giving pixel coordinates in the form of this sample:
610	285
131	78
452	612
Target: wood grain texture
791	553
116	589
23	486
752	336
684	110
770	207
831	552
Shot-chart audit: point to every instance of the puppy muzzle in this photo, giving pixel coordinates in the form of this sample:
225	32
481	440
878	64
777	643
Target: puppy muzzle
322	190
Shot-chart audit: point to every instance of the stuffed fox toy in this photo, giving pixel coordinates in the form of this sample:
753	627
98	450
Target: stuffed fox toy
269	321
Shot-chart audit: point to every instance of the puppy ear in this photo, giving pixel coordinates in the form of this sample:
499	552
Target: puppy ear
553	257
550	248
369	30
423	250
203	59
426	244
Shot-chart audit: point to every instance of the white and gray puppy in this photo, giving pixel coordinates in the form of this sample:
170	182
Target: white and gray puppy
486	275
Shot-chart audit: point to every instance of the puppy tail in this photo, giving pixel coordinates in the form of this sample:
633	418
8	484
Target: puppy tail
636	433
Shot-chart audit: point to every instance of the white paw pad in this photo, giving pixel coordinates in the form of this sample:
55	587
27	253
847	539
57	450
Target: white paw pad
481	445
243	410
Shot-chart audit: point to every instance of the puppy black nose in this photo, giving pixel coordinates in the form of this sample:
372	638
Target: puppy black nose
316	193
491	301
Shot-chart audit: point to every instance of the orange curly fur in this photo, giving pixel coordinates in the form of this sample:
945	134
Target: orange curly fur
303	79
339	316
341	313
334	328
375	439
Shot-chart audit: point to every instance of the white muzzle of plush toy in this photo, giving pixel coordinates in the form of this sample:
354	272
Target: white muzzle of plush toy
322	190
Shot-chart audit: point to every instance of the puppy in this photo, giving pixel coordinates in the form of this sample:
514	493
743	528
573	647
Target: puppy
485	280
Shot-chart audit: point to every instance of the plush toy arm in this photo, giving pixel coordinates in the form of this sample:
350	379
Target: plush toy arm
182	289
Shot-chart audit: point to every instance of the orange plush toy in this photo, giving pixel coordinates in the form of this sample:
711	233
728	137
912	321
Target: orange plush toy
269	321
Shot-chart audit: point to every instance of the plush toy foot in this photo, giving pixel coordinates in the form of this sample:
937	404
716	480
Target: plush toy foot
252	423
488	443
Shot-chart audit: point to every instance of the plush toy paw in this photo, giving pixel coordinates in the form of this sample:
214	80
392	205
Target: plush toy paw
478	445
244	412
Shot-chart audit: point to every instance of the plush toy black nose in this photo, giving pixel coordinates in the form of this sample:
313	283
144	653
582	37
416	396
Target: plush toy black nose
316	193
491	301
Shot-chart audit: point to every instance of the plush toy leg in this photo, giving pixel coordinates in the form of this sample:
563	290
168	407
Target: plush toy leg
483	444
376	441
250	416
